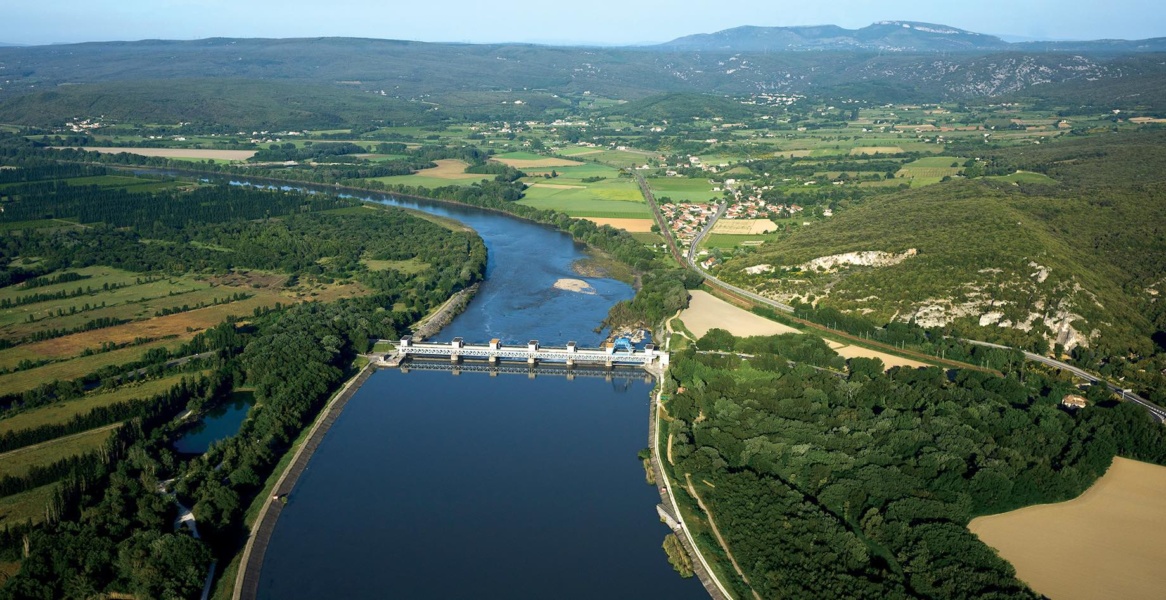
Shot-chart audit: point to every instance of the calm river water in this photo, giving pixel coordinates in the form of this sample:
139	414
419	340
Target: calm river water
431	485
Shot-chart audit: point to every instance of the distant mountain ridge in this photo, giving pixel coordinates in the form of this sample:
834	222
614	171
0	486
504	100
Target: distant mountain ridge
887	36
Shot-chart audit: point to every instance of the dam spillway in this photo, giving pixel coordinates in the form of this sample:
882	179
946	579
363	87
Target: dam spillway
494	352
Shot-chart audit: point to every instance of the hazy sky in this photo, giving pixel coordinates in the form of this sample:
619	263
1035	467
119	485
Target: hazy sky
587	21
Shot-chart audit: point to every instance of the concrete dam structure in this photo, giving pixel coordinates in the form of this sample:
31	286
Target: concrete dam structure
607	355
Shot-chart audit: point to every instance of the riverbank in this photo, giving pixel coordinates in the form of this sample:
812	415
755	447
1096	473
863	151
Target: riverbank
247	579
671	510
434	323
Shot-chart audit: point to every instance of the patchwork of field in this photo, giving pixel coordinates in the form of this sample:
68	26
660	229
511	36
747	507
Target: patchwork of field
138	300
683	189
930	170
527	160
1107	543
869	150
744	226
628	225
705	311
447	172
579	151
585	191
61	412
725	241
125	182
194	153
18	462
450	168
80	366
793	153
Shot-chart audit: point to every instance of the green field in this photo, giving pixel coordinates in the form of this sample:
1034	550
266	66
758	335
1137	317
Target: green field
408	267
26	506
577	150
130	302
61	412
22	381
619	158
520	156
424	181
930	170
38	224
570	175
18	462
611	198
683	189
724	240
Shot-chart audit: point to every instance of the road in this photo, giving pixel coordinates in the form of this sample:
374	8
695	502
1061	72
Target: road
1156	412
691	260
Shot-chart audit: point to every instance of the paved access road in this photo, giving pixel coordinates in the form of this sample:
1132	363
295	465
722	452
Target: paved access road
1155	411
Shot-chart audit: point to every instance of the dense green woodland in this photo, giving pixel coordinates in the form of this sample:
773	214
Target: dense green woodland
853	483
109	528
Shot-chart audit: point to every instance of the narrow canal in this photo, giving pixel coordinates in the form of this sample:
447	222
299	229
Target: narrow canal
431	485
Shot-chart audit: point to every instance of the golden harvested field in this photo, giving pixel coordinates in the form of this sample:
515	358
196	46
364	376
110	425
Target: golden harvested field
179	152
450	168
628	225
706	312
889	360
158	327
1107	543
866	150
1147	120
744	226
519	163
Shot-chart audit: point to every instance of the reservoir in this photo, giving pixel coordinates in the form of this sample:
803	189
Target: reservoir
435	485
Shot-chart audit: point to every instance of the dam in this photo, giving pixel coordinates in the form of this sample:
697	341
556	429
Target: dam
609	354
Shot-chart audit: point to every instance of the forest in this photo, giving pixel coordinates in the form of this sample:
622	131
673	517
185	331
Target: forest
831	478
108	525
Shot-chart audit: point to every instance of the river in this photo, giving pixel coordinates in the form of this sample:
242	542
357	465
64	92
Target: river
436	485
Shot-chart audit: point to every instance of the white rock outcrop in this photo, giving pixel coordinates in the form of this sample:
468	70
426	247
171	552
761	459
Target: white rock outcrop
873	258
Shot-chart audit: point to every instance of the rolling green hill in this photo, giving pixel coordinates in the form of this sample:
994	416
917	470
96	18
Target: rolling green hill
232	103
1081	261
483	81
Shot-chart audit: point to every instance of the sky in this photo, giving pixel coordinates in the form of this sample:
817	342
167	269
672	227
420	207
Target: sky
604	22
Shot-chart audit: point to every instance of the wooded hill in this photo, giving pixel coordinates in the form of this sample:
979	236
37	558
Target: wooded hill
1085	250
454	81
